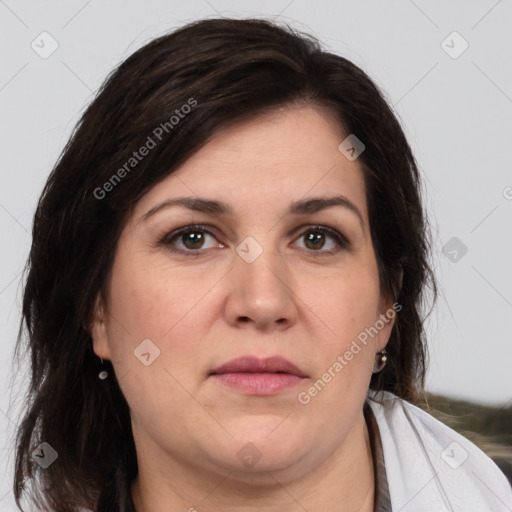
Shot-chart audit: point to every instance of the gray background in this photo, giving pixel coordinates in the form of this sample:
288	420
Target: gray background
457	113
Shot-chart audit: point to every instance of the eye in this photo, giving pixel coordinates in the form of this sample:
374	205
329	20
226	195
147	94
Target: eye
191	238
317	238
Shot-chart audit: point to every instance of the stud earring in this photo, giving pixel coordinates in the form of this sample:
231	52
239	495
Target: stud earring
380	361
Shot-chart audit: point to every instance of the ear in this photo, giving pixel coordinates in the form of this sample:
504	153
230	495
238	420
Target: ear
388	311
98	330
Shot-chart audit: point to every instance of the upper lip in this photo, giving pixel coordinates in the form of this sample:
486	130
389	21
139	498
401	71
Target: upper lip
254	364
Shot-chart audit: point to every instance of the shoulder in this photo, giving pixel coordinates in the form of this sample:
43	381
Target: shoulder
431	467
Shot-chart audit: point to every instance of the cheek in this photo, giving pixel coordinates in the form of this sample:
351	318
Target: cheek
174	310
344	362
348	308
347	303
153	300
148	305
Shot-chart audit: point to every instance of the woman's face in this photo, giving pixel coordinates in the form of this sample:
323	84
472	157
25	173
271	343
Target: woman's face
258	279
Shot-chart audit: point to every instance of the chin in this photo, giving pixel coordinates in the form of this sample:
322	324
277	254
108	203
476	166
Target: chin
284	467
256	449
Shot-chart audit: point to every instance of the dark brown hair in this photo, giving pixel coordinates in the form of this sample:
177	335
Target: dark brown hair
226	70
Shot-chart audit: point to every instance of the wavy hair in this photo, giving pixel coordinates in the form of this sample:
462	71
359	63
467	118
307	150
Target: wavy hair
233	69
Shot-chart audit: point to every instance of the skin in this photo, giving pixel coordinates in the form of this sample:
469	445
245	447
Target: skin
294	300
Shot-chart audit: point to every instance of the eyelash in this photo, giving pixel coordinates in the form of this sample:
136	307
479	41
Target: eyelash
167	239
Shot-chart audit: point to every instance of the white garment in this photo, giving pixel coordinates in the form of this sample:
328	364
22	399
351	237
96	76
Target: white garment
432	468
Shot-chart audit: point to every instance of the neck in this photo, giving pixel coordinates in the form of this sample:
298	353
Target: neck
342	482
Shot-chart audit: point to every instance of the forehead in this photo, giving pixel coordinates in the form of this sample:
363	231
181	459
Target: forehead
266	162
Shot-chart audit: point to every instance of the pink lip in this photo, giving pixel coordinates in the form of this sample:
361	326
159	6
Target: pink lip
256	376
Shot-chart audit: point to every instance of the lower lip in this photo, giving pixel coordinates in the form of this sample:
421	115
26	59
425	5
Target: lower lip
259	383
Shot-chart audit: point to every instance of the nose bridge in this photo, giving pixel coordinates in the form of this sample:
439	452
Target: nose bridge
260	292
261	267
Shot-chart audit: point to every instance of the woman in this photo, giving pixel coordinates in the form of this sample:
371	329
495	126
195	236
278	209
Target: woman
224	294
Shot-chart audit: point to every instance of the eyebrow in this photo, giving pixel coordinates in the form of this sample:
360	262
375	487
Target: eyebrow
214	207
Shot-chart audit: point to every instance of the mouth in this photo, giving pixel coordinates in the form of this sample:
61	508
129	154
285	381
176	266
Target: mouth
254	376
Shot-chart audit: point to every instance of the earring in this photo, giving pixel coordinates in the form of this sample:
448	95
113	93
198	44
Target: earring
380	361
103	374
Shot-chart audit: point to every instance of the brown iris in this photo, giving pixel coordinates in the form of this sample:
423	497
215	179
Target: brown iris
193	239
315	237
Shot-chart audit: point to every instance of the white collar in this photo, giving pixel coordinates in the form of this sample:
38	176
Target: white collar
432	468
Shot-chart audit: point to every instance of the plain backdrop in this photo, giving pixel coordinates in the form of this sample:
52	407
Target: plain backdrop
446	67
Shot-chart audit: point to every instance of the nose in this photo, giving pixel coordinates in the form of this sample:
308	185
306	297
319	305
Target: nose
261	294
